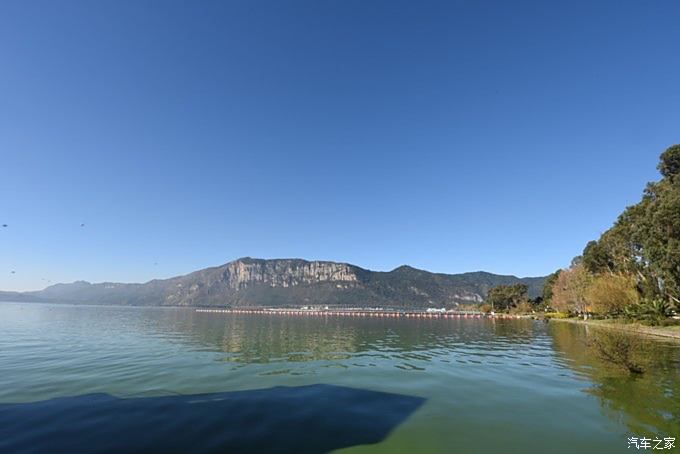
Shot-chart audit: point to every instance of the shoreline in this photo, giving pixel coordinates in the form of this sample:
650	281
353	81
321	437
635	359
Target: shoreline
666	332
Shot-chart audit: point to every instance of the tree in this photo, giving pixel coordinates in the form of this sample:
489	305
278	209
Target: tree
670	162
538	302
576	260
569	290
610	294
504	297
596	258
645	240
548	287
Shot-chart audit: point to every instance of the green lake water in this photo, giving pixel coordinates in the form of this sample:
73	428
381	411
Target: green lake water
511	386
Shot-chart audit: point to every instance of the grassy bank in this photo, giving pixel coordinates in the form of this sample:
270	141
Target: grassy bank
672	332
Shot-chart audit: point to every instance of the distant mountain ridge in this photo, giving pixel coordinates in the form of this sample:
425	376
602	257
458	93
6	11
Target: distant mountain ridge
287	282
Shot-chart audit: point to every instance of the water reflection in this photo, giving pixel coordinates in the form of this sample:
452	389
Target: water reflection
647	403
262	338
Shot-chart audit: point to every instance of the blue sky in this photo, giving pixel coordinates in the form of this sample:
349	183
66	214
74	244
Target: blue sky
451	136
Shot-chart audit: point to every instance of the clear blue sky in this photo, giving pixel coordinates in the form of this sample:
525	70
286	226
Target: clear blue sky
451	136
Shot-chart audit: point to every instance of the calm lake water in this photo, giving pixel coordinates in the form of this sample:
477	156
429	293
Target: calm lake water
426	386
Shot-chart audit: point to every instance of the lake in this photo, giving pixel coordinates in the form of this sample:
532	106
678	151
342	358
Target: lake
100	377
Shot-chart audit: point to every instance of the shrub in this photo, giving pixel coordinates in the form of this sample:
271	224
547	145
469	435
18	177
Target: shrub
652	312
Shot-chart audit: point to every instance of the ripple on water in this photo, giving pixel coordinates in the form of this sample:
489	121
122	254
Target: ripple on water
476	374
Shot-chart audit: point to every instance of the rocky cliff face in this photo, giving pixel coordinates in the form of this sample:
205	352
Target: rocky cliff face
249	281
285	273
291	282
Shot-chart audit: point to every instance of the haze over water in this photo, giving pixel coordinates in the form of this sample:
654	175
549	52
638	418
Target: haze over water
504	385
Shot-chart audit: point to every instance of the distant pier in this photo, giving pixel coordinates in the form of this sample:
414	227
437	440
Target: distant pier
360	313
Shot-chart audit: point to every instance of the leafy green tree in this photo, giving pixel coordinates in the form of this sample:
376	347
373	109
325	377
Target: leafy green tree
503	297
538	303
670	162
576	260
596	258
548	287
645	240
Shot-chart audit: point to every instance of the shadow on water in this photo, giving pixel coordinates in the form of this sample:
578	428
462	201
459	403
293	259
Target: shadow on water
305	419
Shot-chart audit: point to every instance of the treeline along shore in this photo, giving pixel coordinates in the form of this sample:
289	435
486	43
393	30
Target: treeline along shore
629	275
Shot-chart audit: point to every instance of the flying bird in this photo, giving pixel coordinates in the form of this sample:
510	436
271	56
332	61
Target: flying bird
13	272
4	225
82	225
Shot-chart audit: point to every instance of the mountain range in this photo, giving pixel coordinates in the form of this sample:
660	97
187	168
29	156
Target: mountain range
287	282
